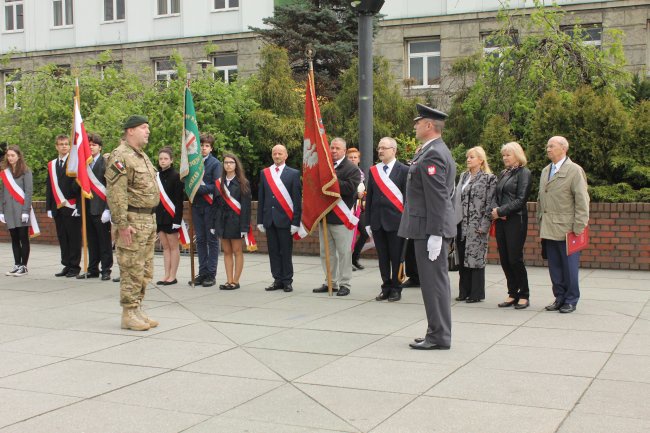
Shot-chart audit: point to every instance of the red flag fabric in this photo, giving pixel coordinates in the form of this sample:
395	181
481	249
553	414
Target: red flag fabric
80	155
320	186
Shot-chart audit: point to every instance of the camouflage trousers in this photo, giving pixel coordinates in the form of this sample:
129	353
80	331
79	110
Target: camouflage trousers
136	260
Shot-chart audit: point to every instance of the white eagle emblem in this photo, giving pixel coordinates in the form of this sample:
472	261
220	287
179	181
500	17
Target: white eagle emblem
310	155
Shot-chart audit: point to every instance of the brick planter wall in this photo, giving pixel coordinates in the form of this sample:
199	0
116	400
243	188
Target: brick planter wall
620	237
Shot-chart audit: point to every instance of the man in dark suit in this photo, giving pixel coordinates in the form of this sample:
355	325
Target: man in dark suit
279	209
340	224
384	207
98	217
207	243
429	220
62	201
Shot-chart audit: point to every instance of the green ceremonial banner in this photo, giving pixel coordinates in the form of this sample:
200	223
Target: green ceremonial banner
191	160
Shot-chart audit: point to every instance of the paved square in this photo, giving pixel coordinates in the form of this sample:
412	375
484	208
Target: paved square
256	361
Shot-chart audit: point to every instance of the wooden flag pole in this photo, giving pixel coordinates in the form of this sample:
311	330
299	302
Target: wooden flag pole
191	222
84	237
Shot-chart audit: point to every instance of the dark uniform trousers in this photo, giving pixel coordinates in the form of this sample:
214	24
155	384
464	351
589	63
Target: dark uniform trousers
99	244
280	245
389	249
68	230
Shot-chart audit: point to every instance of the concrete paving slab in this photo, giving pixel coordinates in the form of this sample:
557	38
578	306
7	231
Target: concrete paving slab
444	415
224	424
242	334
377	406
104	417
12	362
564	339
149	352
77	378
291	365
640	326
54	318
199	332
313	341
269	317
235	362
12	332
595	423
581	322
378	375
20	405
609	308
633	344
563	362
616	398
462	331
189	392
288	405
493	316
512	387
631	368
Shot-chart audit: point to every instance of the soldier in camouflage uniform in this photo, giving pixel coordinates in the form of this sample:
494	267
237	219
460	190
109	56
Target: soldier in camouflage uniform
133	195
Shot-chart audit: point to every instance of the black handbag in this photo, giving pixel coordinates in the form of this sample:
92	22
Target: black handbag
453	261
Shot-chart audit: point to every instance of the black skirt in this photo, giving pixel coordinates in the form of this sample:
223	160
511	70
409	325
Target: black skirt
166	228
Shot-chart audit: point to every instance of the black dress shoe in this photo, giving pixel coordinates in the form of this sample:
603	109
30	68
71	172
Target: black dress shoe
382	296
116	279
288	288
395	295
507	303
418	340
568	308
198	280
160	283
275	286
472	301
231	286
461	298
88	275
357	265
424	345
72	274
343	291
170	283
555	306
323	289
522	306
411	282
63	272
106	276
208	282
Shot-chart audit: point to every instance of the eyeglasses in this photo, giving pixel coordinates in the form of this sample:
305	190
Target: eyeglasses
384	148
228	162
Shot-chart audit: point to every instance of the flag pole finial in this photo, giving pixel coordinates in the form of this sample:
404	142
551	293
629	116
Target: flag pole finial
309	52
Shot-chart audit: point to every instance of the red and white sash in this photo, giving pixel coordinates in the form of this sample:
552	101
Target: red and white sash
251	243
207	197
388	187
169	206
95	185
59	198
279	190
19	195
345	215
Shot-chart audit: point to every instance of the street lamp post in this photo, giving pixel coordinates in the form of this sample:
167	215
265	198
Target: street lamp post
366	10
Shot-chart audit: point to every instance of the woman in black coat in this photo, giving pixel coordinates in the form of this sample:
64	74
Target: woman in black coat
169	214
232	217
511	215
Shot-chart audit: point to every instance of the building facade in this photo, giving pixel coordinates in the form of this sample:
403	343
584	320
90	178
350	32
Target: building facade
422	39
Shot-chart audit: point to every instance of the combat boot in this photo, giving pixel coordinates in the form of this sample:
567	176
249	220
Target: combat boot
146	319
130	320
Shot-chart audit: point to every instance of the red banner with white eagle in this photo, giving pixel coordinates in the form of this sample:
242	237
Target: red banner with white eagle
320	186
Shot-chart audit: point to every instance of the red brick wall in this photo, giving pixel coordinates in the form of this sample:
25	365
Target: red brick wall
620	237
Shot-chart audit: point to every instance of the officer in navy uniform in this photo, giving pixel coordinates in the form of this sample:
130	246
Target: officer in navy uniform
428	219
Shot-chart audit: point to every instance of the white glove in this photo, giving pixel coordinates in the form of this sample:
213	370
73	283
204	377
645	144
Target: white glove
294	229
24	217
212	231
106	216
369	231
75	213
176	226
2	218
261	228
434	244
243	234
361	187
49	214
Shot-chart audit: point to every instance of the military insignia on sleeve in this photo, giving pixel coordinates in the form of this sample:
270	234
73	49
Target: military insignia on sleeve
118	167
431	170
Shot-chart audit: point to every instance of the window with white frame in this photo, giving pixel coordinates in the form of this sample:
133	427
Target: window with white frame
225	66
113	10
224	5
424	63
62	13
165	71
14	20
168	7
11	81
591	34
493	46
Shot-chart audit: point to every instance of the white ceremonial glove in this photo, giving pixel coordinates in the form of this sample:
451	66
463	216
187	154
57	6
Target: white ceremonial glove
212	231
243	234
75	213
294	229
106	216
369	231
24	217
2	218
176	226
361	187
261	228
49	214
434	244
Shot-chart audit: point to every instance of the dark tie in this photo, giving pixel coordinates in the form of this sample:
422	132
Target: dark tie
277	169
385	168
60	163
336	164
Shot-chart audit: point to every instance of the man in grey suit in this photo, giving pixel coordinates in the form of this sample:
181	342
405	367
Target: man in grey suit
98	217
428	219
